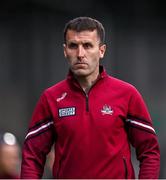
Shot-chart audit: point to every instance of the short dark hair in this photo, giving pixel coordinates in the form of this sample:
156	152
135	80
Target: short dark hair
85	23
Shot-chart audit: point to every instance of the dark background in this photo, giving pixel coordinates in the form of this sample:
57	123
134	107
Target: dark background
31	54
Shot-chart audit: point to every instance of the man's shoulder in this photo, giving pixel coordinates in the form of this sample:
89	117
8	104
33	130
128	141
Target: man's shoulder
119	82
59	86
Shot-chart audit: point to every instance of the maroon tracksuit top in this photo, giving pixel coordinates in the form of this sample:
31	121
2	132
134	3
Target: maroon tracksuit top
92	132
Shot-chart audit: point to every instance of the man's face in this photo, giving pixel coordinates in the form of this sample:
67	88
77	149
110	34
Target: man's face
83	52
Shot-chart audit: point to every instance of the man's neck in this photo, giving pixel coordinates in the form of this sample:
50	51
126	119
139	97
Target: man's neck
87	82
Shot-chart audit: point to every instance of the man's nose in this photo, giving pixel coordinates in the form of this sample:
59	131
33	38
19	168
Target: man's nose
81	51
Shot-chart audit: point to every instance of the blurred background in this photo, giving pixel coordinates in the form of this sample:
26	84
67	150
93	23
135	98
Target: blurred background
31	54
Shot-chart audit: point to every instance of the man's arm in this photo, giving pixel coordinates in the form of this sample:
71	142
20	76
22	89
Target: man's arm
143	137
38	142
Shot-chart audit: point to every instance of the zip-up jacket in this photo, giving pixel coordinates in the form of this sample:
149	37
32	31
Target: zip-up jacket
91	132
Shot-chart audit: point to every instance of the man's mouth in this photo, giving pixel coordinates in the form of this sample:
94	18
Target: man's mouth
80	65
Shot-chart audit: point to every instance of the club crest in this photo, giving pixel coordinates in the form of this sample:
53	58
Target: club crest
107	110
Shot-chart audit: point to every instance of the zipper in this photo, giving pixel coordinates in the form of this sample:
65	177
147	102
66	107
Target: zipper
125	167
58	169
87	102
57	173
87	93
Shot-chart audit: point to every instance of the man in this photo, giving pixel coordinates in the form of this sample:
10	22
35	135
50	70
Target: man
92	117
9	156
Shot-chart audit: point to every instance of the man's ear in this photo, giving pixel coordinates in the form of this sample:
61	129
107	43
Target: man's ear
64	50
102	50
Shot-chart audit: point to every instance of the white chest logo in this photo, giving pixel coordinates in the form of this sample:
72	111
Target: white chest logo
70	111
107	110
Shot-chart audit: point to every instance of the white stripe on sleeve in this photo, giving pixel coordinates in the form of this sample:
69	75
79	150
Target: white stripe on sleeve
140	124
39	129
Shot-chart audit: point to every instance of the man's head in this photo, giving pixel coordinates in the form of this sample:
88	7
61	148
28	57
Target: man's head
84	46
83	24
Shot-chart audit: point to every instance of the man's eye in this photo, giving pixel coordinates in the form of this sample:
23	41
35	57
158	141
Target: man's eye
72	46
87	45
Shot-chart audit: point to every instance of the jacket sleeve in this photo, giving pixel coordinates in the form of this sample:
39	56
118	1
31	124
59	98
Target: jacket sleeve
38	141
143	137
